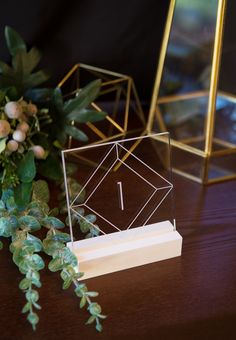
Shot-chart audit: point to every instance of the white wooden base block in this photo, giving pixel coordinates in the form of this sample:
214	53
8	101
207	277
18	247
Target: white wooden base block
126	249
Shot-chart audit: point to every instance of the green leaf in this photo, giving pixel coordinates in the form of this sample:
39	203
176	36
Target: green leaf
29	223
62	237
83	301
40	191
91	320
51	168
3	144
26	170
36	79
94	308
76	133
58	99
14	41
33	319
67	283
99	327
33	58
39	95
26	307
22	193
53	222
1	245
37	262
32	295
34	241
51	247
84	97
24	284
92	294
86	115
55	264
8	225
69	257
6	69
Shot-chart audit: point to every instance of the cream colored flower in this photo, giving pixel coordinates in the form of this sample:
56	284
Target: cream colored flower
13	110
5	128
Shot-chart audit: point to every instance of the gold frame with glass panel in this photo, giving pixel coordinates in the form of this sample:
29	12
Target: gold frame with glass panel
192	97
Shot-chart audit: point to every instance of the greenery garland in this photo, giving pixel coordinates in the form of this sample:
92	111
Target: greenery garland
28	150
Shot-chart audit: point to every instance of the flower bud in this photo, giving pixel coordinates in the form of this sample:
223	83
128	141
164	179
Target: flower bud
23	105
23	126
13	110
31	110
5	128
12	145
38	151
19	136
20	148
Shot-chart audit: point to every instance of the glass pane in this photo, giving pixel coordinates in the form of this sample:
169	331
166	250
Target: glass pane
184	89
225	122
119	185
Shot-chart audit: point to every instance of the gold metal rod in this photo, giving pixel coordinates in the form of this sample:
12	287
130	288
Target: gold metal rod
160	119
133	147
227	95
108	139
221	179
188	148
179	97
210	119
98	69
139	106
224	152
192	139
96	130
108	118
224	143
115	124
160	66
111	82
187	175
127	105
74	68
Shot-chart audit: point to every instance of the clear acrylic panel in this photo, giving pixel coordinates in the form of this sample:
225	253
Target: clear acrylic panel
119	185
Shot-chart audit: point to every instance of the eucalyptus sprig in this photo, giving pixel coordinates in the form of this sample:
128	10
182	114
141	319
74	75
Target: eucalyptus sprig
24	246
66	262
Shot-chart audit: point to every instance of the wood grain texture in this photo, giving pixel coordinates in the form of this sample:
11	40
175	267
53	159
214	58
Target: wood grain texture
190	297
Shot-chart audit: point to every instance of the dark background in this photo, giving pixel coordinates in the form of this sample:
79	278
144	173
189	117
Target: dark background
122	36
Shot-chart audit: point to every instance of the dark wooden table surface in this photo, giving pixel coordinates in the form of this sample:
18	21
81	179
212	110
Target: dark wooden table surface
190	297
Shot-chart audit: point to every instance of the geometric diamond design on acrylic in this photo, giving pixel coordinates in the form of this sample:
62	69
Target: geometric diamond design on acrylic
123	191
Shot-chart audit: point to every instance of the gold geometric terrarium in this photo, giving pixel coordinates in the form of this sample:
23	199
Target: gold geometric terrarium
118	98
194	92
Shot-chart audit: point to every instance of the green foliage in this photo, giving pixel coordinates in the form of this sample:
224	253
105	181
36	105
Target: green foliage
24	206
65	261
77	110
51	168
26	170
40	191
20	75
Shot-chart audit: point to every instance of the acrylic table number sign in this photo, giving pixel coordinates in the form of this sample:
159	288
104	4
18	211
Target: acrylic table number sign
122	193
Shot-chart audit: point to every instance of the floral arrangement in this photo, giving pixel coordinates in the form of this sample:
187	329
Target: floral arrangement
29	157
